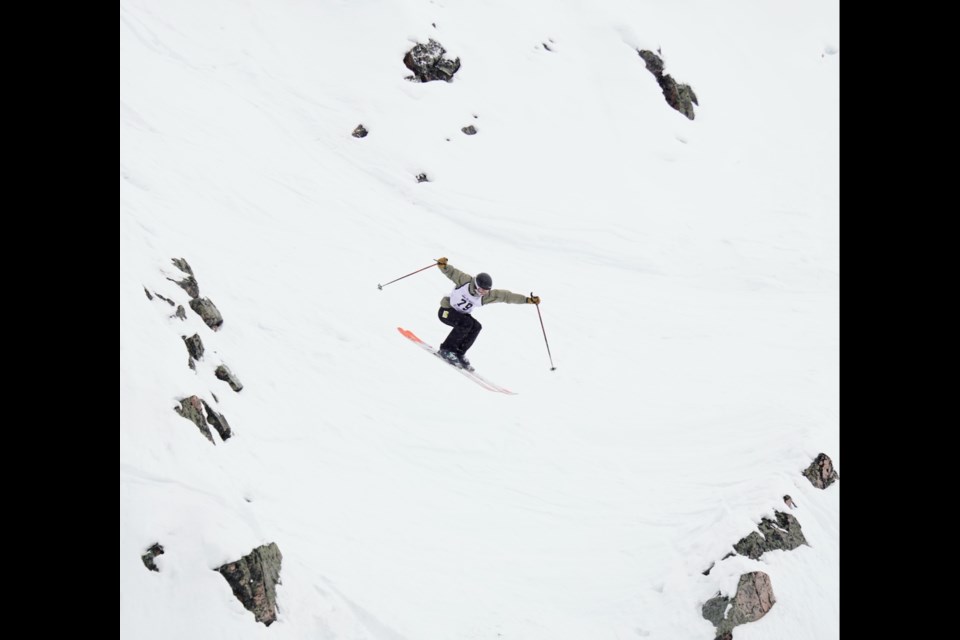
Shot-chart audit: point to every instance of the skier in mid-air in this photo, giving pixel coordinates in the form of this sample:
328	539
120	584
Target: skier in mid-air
456	310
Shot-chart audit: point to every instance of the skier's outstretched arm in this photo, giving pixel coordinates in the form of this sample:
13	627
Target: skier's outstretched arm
502	295
459	277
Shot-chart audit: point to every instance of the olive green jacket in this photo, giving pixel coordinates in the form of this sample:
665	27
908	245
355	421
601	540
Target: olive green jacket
496	295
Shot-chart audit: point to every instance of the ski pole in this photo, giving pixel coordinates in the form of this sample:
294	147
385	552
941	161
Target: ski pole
381	286
552	368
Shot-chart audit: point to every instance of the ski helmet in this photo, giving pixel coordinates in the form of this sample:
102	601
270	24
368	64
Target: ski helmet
484	281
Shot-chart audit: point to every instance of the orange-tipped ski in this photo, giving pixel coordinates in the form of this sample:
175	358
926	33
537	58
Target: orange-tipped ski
483	382
409	334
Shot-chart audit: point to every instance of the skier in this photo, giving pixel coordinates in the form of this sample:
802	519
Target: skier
456	310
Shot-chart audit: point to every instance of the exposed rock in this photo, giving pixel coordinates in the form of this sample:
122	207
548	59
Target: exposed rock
181	264
821	473
192	409
469	130
679	96
750	546
253	579
181	312
194	347
753	600
427	63
188	284
686	98
359	132
422	177
223	373
715	609
787	500
167	300
652	61
218	422
784	534
147	291
154	551
208	311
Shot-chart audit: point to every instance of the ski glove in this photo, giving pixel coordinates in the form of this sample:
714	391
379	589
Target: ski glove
533	300
442	262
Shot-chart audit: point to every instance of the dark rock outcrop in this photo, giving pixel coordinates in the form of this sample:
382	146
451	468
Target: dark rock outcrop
428	63
254	578
188	284
784	534
155	550
192	409
218	422
821	473
182	264
223	373
679	96
197	411
470	130
754	598
715	609
208	311
180	313
194	348
360	132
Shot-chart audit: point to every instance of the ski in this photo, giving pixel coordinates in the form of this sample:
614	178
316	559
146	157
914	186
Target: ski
473	375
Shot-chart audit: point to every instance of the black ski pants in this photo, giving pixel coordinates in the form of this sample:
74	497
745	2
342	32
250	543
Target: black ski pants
465	330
